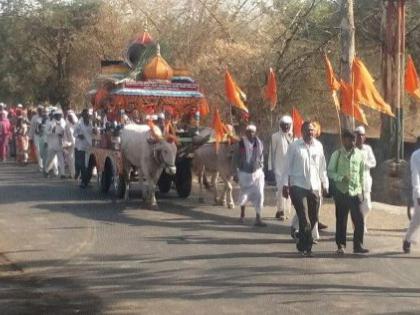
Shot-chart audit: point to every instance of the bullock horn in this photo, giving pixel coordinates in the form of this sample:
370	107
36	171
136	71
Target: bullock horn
157	137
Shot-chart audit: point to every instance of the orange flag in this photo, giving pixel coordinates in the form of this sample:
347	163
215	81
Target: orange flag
233	93
331	79
271	89
348	106
365	92
219	129
412	81
297	123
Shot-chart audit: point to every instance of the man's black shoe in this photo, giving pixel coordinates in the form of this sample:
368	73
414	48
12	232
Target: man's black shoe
406	247
293	232
322	226
360	250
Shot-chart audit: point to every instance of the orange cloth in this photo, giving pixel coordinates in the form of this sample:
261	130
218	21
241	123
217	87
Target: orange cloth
220	129
412	81
233	93
365	92
271	89
348	106
331	79
203	108
297	123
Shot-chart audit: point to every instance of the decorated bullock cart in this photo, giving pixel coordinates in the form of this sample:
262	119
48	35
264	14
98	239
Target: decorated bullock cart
155	90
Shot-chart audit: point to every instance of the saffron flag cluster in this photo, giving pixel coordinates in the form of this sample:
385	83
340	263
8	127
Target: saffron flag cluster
412	82
361	91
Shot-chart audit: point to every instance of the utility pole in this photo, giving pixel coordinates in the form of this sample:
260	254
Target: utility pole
393	60
347	51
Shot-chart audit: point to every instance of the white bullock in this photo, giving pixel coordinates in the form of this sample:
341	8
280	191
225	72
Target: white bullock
218	164
149	153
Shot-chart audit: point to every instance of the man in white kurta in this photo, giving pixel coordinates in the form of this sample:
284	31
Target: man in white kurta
248	160
413	232
69	142
55	134
34	135
279	144
370	162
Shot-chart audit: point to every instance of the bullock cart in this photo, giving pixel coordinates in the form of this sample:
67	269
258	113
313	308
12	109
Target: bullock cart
182	104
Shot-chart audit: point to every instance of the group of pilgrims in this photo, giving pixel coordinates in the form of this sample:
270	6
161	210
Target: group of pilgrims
304	178
59	142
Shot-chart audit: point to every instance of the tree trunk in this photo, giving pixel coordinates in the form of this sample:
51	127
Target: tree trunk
347	51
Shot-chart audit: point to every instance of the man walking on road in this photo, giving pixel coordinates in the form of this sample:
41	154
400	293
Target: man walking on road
34	136
279	143
55	145
248	160
83	136
370	162
346	169
305	179
413	235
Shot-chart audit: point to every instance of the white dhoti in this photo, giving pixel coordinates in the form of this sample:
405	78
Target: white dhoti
37	140
413	231
283	204
54	156
366	206
252	189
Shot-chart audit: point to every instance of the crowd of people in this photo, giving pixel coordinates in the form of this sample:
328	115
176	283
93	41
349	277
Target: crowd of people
304	177
59	142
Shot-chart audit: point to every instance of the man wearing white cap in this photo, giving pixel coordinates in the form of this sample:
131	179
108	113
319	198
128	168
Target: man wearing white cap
370	162
248	160
55	132
34	135
279	144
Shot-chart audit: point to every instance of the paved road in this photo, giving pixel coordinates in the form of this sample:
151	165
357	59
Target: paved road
64	250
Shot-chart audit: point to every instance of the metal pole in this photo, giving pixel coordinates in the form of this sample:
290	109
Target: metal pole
402	49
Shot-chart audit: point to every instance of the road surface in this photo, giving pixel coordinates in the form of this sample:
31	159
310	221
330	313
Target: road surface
64	250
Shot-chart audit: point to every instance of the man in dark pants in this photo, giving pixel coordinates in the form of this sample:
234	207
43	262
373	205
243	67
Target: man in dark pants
346	169
305	179
83	135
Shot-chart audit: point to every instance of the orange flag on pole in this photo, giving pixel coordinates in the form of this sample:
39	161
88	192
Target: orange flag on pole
349	106
412	81
332	81
220	129
297	123
365	92
271	90
233	93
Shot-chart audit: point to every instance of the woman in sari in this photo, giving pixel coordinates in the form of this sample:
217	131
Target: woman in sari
22	141
5	132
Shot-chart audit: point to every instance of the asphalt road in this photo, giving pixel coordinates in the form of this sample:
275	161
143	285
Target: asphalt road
69	251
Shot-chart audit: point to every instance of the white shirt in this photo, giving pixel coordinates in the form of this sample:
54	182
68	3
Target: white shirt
280	142
35	121
370	162
55	132
85	130
69	139
415	174
306	166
